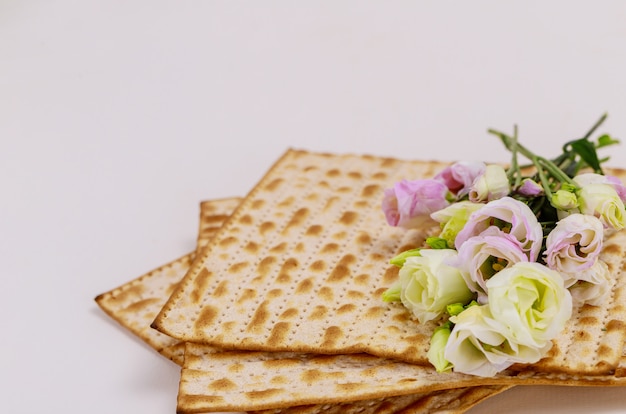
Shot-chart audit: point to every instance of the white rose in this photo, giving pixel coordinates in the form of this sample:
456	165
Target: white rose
574	244
603	202
531	301
428	284
479	345
592	178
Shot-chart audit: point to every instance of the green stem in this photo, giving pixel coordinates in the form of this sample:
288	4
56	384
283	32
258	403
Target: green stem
596	125
556	171
544	180
514	171
539	162
588	134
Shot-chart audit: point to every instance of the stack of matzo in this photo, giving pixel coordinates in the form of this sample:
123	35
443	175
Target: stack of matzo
282	309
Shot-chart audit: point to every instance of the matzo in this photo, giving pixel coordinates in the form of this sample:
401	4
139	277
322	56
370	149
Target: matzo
301	265
134	305
213	380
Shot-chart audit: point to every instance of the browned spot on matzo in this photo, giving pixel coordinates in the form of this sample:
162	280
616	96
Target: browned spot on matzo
206	318
375	312
330	248
221	289
252	247
326	293
339	273
223	384
274	293
362	279
266	227
364	238
261	315
314	230
228	241
289	313
274	184
200	284
238	267
371	190
347	308
615	325
279	248
278	333
298	218
305	286
333	173
247	294
318	266
319	312
254	395
142	304
287	202
246	219
266	264
332	335
355	295
348	218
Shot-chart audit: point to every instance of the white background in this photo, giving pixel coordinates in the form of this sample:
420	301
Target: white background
118	117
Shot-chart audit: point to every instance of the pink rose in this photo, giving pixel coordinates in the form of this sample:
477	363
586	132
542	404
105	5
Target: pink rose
482	256
410	203
512	217
459	176
574	244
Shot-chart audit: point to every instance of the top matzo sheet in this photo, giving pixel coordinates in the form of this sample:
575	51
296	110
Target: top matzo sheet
303	261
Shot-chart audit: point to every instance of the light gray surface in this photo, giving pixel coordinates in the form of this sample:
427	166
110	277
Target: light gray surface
117	118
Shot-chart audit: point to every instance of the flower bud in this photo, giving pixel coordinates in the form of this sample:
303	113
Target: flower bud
438	342
564	200
530	188
492	185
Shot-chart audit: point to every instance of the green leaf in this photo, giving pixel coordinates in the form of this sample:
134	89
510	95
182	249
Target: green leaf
393	293
437	243
587	152
454	309
401	258
606	140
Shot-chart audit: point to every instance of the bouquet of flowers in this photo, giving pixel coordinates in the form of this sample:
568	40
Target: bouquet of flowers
518	249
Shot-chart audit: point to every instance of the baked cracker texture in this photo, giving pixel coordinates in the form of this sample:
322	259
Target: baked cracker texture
134	305
301	264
